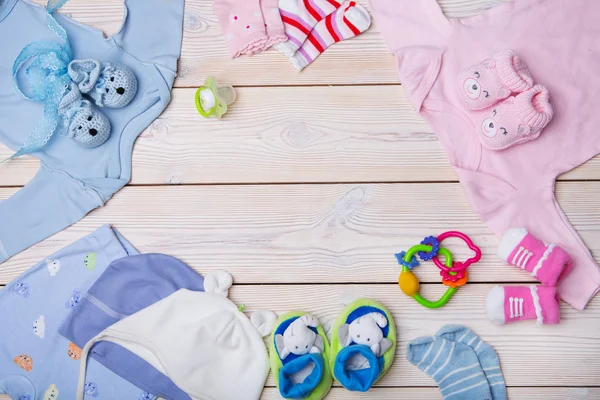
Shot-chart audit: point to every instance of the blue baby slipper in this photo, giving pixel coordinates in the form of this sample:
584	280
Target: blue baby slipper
363	344
109	85
299	352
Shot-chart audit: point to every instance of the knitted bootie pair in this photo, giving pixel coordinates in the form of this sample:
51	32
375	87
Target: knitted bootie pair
108	85
362	350
519	111
546	262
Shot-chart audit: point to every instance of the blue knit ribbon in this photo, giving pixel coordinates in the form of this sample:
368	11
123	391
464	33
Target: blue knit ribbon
48	79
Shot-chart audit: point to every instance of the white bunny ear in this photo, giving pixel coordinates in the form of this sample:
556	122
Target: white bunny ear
310	320
384	346
264	321
218	282
344	335
379	319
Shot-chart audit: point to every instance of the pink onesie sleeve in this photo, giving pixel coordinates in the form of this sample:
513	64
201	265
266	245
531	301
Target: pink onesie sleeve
514	187
416	31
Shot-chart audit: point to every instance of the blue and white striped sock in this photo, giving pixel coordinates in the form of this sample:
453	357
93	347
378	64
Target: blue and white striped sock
453	365
488	359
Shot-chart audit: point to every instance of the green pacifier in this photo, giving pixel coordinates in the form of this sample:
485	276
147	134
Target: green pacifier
212	100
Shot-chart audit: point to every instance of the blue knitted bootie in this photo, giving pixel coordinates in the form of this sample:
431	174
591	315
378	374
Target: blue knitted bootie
85	124
109	85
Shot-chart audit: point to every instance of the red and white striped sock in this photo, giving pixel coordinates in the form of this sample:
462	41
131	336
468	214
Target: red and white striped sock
299	17
346	22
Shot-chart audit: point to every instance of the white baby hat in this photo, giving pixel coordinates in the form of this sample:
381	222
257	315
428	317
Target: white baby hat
200	340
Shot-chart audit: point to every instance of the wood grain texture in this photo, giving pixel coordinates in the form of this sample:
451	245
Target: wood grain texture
514	393
530	354
303	246
285	134
305	233
362	60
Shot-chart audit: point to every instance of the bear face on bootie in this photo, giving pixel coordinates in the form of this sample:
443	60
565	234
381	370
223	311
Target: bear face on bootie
482	85
299	339
517	120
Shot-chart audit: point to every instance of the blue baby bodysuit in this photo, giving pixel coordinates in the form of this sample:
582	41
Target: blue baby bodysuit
74	180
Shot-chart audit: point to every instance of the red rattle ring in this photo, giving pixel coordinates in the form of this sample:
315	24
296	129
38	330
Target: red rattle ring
458	269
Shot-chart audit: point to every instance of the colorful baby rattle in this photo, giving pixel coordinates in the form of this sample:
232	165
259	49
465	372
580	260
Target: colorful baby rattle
454	274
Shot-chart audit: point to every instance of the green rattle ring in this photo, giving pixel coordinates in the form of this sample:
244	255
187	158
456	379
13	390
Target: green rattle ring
409	283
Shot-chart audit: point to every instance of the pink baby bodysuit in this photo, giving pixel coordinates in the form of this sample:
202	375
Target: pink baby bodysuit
559	40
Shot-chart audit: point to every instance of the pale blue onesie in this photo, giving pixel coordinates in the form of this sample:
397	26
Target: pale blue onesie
74	180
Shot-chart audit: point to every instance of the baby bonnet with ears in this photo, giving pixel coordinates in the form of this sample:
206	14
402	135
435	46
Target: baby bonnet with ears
200	340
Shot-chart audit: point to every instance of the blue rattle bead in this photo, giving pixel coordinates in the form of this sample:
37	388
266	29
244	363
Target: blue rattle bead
408	264
435	248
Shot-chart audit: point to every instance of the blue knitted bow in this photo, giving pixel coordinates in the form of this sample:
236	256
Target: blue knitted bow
48	79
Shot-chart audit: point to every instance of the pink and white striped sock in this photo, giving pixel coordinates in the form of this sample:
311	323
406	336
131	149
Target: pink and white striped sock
346	22
546	262
299	17
519	303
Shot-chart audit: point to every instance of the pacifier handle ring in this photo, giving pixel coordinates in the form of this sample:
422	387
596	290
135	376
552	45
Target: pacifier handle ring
199	105
466	264
448	260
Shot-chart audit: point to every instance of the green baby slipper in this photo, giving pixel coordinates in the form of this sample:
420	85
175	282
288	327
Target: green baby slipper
363	344
299	354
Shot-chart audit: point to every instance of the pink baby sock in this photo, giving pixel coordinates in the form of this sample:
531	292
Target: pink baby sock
517	120
346	22
299	17
548	263
518	303
485	84
243	26
273	22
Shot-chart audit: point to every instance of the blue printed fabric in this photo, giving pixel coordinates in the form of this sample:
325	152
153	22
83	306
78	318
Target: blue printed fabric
36	363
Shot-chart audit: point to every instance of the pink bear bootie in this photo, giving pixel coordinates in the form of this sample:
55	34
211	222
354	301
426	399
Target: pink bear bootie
493	80
506	304
547	263
517	120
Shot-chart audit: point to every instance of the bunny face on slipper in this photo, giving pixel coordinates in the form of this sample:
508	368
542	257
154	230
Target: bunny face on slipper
299	339
109	85
366	330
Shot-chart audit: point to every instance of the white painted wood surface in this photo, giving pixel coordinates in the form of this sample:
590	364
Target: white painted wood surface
306	190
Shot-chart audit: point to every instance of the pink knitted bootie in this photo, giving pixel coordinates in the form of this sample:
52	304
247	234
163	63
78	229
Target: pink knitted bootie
506	304
486	84
517	120
547	263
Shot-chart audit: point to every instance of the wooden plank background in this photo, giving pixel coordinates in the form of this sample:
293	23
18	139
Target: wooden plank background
306	190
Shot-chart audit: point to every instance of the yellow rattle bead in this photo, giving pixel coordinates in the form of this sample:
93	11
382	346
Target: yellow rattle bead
409	283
